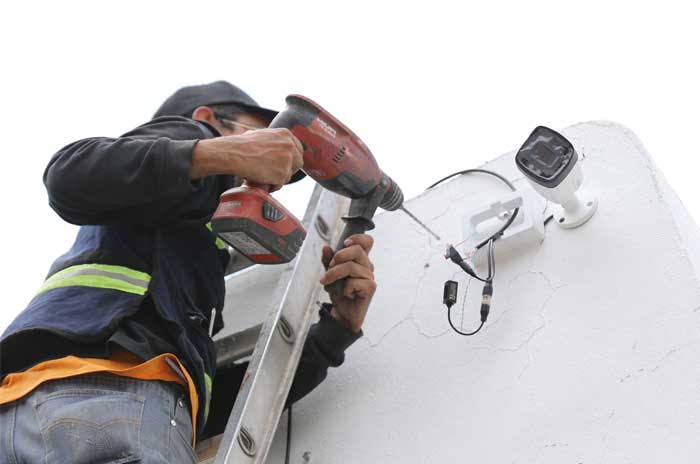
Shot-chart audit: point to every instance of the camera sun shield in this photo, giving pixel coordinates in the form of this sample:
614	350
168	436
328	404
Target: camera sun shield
546	157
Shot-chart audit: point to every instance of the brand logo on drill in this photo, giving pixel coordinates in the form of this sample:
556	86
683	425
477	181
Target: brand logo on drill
326	127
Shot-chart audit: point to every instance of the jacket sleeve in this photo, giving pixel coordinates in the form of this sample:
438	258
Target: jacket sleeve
325	346
136	178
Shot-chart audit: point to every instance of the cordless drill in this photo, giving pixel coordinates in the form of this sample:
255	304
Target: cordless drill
259	227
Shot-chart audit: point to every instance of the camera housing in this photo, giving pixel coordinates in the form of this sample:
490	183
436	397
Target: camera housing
551	165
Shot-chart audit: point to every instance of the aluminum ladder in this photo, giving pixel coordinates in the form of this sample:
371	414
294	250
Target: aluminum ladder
260	402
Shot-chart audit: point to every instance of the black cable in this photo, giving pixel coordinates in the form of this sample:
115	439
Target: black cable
466	334
289	434
482	171
487	292
496	235
494	174
492	263
456	257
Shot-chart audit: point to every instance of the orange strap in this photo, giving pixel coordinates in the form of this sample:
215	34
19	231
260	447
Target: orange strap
122	363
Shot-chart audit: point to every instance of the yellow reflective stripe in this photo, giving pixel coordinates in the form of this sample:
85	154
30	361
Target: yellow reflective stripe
208	385
93	281
99	276
220	244
125	271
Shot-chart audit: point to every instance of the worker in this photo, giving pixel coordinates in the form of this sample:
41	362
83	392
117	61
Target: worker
112	360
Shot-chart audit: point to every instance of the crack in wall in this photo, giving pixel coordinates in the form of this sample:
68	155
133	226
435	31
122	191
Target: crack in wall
464	302
418	327
538	329
606	435
664	358
386	333
409	314
512	280
447	210
554	445
524	344
659	363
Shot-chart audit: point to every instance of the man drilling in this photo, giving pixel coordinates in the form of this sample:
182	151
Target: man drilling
112	360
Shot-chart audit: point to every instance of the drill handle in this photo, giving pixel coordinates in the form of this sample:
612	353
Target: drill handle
358	221
353	226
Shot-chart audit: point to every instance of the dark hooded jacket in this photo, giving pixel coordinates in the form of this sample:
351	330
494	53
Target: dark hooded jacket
145	272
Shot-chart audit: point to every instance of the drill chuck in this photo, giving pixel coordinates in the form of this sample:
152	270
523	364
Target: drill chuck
393	196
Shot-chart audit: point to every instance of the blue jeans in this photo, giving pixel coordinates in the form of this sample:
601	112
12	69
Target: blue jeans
98	418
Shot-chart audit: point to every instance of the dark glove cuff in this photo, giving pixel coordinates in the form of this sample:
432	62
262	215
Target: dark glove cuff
332	337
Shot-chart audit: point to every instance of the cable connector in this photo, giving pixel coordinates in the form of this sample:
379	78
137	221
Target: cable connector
449	294
486	295
453	255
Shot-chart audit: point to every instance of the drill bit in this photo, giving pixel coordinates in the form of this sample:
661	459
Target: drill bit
419	222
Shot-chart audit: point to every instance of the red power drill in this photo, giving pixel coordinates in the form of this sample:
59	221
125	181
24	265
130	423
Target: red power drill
259	227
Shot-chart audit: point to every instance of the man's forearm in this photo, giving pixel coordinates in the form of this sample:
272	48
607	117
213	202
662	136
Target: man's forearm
210	159
267	156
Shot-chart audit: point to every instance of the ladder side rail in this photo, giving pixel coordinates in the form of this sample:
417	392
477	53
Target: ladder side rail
261	399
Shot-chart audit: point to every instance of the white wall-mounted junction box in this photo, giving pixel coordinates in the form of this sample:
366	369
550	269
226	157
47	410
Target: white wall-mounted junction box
527	229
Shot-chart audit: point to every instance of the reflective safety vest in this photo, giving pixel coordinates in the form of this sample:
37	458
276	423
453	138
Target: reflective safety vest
99	276
106	275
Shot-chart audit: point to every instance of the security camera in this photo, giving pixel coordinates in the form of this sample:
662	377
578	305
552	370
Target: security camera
550	164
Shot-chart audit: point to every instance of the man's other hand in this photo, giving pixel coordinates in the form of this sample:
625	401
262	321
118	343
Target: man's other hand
352	262
265	156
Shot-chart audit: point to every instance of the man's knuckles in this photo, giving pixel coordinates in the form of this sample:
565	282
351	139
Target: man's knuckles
288	141
351	253
349	269
371	286
363	240
360	259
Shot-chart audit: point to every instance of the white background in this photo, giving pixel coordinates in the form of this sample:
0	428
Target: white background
431	87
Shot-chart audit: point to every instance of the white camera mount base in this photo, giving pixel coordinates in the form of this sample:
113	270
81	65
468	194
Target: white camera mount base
575	212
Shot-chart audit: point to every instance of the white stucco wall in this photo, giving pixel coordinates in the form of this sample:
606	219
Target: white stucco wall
590	354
